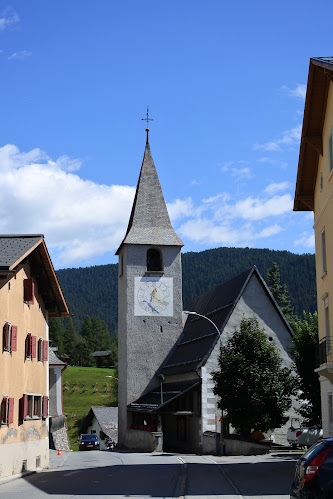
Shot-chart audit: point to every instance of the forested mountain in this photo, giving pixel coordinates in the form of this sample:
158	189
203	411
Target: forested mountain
93	291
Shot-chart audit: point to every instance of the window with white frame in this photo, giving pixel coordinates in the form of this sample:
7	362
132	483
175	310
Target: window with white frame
7	410
40	350
35	406
9	337
323	252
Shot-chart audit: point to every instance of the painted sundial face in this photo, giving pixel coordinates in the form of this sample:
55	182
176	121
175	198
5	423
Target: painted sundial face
153	296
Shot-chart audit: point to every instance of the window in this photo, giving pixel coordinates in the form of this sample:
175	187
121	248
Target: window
7	410
28	291
323	252
330	151
327	321
40	350
154	260
28	346
34	406
9	337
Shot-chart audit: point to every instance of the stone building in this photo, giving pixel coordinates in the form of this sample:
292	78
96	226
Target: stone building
166	358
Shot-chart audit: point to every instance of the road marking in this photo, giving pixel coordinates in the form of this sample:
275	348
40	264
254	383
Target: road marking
231	482
181	482
73	473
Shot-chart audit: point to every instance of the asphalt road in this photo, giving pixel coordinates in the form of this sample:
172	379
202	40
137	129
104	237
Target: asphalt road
136	475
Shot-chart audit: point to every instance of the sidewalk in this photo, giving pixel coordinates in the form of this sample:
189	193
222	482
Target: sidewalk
58	461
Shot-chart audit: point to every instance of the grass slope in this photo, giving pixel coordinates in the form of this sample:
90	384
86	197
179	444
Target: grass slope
84	387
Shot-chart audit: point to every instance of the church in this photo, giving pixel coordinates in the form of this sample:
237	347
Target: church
167	355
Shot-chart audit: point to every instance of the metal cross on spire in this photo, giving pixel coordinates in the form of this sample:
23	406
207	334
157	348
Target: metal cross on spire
147	119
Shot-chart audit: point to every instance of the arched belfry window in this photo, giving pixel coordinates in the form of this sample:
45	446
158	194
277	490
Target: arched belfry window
154	260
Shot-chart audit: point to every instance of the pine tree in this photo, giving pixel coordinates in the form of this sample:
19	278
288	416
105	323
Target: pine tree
56	332
279	291
87	333
70	340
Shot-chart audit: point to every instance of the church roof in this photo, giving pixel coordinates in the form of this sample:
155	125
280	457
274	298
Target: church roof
149	221
199	337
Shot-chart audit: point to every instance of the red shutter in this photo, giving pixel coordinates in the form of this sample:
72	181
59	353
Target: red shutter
33	347
14	339
10	410
25	406
45	350
29	291
45	407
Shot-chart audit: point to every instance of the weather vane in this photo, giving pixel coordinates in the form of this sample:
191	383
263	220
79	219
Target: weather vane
147	119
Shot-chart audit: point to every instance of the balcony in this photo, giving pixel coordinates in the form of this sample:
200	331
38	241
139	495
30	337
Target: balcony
324	357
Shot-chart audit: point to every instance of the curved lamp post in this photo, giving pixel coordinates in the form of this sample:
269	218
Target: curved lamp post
191	312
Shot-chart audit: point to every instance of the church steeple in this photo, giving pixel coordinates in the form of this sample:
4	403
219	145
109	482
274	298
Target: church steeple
149	221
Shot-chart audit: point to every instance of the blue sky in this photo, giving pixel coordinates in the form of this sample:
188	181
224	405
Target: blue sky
225	84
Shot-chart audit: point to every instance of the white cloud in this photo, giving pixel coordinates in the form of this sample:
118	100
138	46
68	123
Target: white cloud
289	138
180	208
259	209
8	17
80	219
236	171
20	56
273	188
307	240
299	91
271	230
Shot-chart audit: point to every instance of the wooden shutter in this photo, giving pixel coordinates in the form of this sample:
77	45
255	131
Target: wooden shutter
33	347
45	350
25	406
14	339
29	291
45	407
10	410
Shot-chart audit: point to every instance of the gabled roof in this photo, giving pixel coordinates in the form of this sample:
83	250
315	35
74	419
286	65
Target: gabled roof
107	418
54	360
14	248
199	337
319	78
154	400
149	221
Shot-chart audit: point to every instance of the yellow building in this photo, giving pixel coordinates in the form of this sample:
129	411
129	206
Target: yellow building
314	192
29	295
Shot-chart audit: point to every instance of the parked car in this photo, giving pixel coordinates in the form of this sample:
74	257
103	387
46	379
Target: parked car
314	472
304	437
88	441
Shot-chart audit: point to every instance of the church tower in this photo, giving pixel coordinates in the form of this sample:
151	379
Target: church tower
149	294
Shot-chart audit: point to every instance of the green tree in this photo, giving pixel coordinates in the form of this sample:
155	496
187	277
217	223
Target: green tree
83	354
253	387
303	350
56	332
279	291
87	333
70	340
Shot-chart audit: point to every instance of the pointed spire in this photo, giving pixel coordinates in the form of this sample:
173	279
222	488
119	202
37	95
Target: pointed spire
149	221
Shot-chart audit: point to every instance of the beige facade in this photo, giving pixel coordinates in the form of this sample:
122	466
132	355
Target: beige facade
24	373
314	192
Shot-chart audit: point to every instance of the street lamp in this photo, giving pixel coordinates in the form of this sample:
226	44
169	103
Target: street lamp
191	312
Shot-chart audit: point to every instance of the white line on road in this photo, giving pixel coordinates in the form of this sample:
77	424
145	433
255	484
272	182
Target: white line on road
181	482
233	485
